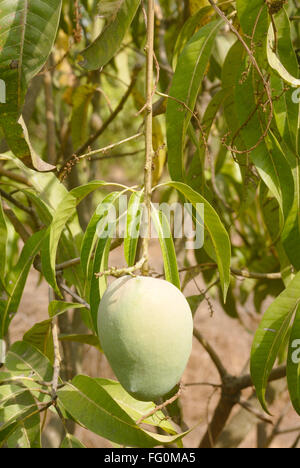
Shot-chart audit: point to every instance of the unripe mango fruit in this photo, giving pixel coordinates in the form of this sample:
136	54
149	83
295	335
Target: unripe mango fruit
145	328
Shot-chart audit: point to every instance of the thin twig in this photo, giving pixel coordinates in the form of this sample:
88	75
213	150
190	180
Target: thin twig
14	176
57	357
256	66
74	295
15	202
119	272
251	409
148	131
162	406
76	261
212	353
67	167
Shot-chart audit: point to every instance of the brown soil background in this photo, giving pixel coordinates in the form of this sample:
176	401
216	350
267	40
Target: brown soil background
229	338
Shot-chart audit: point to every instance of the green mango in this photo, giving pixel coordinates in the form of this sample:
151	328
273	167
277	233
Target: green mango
145	328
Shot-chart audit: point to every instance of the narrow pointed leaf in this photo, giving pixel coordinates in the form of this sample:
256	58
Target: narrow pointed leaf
102	50
216	230
163	230
189	73
71	442
93	407
293	363
270	335
17	280
134	215
27	33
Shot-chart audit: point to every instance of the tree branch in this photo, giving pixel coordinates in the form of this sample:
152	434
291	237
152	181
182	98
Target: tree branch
213	355
148	130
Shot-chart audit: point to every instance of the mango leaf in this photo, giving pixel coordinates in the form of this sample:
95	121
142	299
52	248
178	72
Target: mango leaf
216	230
98	285
286	110
65	210
267	156
275	63
98	222
163	230
40	336
92	406
91	340
269	336
194	302
3	243
21	423
47	185
186	84
9	392
70	442
24	359
135	408
253	17
81	100
291	232
293	363
27	433
188	30
133	222
28	31
17	279
59	307
102	50
208	119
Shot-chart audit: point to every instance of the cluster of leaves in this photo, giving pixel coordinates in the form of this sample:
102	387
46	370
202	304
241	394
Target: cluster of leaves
231	127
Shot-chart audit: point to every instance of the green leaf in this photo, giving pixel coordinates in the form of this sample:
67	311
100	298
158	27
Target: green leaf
59	307
187	31
27	432
27	33
186	84
102	50
96	226
70	442
98	285
163	230
133	222
275	62
17	279
216	230
286	111
291	231
199	158
253	17
195	301
135	408
3	244
269	336
65	210
81	100
267	156
24	359
92	406
9	392
91	340
293	363
40	336
20	423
